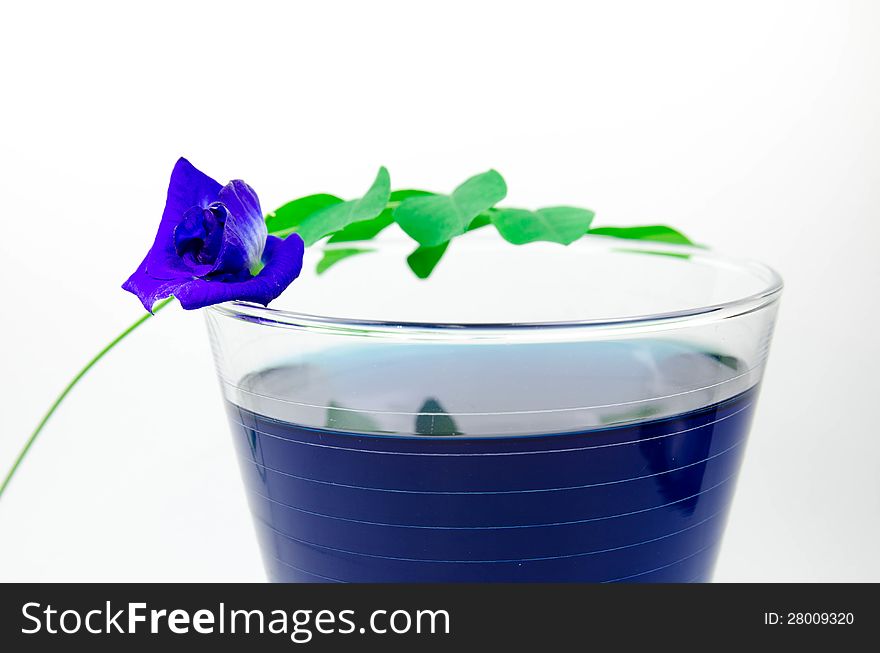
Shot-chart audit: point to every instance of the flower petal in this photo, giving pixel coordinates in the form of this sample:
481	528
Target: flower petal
244	237
283	262
149	289
188	187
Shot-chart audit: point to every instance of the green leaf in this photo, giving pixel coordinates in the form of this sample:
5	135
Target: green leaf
630	415
338	216
406	193
363	230
333	256
658	232
369	229
435	219
281	223
482	220
344	419
423	261
732	362
434	420
555	224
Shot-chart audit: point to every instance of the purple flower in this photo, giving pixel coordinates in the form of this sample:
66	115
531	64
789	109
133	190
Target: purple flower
210	239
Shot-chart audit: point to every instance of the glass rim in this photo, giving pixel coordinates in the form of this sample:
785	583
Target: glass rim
765	297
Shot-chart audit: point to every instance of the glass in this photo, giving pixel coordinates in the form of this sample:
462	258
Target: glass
536	414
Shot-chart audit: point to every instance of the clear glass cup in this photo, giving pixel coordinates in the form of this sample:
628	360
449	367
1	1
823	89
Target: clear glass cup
536	414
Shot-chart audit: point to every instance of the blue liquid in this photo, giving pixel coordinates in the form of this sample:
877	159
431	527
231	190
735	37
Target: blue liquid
643	502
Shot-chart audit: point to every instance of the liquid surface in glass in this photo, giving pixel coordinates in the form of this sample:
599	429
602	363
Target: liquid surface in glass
582	462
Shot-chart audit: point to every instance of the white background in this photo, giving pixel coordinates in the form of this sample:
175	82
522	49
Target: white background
750	125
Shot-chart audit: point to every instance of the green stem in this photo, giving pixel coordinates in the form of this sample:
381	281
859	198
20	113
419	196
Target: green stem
70	387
